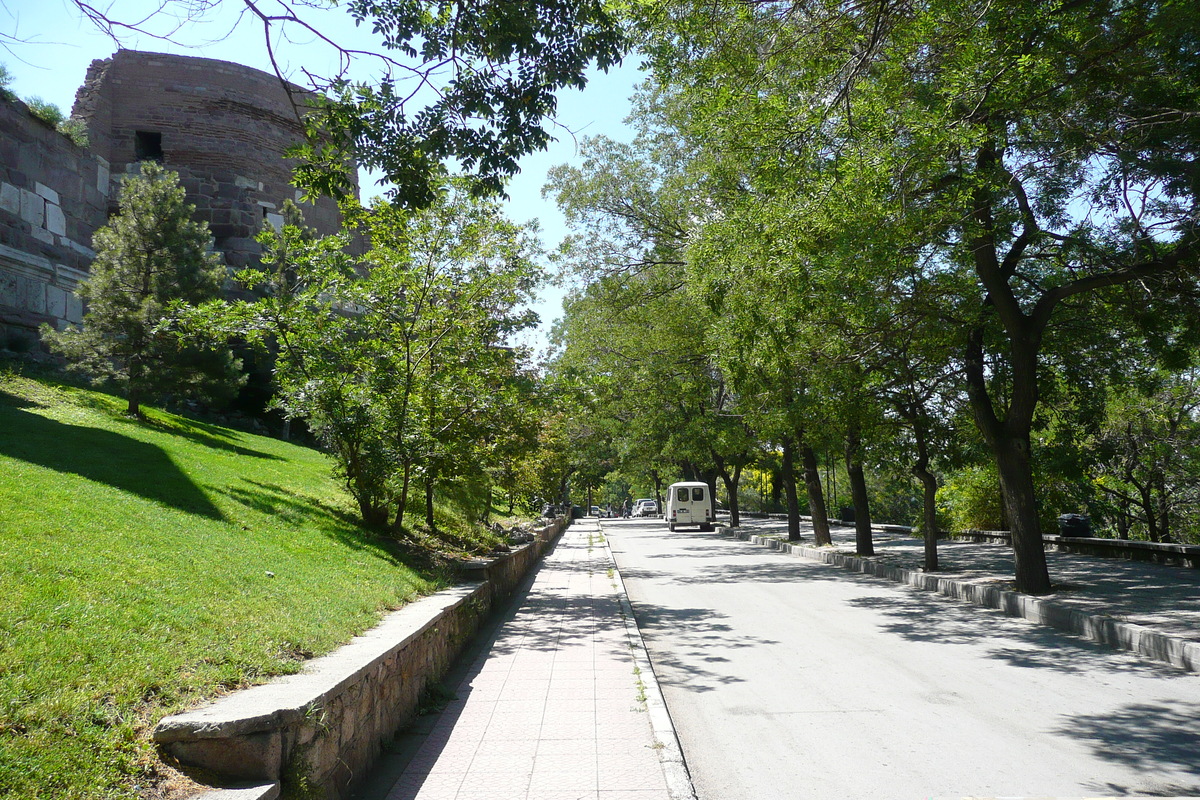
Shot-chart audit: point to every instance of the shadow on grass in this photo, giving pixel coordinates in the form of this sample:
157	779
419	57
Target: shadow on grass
209	435
101	456
339	525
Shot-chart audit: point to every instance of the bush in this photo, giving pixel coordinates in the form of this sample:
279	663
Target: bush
970	499
46	111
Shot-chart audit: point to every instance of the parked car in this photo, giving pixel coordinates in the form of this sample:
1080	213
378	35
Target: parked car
595	511
646	508
689	503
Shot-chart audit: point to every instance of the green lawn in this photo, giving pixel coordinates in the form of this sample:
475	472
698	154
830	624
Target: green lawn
145	565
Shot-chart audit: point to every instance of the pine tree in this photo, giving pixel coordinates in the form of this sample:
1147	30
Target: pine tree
150	257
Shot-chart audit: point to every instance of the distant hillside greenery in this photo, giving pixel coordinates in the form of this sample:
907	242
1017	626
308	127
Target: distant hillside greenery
145	565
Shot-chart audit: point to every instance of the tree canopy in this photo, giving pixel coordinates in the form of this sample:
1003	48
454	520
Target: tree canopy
907	216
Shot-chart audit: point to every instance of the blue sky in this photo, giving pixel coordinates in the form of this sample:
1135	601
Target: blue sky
49	48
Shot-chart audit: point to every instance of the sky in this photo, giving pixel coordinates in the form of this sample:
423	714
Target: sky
47	47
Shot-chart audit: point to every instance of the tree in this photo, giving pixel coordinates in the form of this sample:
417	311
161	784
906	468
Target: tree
636	330
458	81
399	364
1146	450
150	257
1034	153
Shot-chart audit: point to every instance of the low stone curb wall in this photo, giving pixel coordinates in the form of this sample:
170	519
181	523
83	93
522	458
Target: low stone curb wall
1094	627
1180	555
324	727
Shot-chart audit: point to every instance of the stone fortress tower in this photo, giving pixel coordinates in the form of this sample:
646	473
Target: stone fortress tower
223	127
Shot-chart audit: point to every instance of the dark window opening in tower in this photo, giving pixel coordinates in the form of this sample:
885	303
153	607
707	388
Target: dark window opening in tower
147	146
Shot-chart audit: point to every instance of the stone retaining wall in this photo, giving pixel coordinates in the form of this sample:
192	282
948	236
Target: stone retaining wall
319	730
1177	555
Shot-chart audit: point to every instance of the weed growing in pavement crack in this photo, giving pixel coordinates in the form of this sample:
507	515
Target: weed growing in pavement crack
641	686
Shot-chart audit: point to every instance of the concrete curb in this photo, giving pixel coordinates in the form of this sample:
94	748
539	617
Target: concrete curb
268	791
679	780
1098	628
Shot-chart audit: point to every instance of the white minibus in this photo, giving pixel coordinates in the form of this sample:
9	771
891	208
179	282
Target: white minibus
689	503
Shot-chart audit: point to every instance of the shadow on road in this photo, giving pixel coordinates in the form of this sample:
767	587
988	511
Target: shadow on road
1150	738
704	636
923	617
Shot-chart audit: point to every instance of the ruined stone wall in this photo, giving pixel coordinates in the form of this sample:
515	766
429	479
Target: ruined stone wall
53	197
223	127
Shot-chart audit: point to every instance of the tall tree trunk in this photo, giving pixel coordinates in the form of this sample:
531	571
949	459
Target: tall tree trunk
1147	504
1020	502
429	481
1006	426
816	497
402	500
1008	440
864	543
929	487
787	474
1164	508
735	514
134	387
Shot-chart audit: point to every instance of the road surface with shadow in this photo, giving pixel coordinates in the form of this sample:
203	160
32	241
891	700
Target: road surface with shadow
787	678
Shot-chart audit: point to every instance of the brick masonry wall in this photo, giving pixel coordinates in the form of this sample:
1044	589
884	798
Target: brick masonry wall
224	127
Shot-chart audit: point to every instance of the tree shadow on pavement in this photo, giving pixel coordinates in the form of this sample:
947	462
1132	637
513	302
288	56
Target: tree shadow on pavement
757	565
703	635
1154	739
768	570
925	617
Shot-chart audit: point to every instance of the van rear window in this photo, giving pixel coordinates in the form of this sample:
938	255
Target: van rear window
681	494
698	493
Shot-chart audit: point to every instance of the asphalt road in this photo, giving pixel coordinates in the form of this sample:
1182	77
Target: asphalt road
786	678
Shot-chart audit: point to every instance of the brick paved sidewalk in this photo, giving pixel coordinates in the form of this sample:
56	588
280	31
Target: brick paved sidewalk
556	707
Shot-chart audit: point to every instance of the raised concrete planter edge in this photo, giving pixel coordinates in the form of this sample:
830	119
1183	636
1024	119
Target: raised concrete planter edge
326	725
1098	628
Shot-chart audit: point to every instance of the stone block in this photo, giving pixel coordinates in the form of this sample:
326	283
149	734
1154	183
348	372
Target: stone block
46	192
103	176
56	221
10	199
8	290
31	295
256	756
33	208
56	302
74	313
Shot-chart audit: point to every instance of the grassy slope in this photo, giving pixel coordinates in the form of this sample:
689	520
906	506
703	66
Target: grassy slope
145	565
